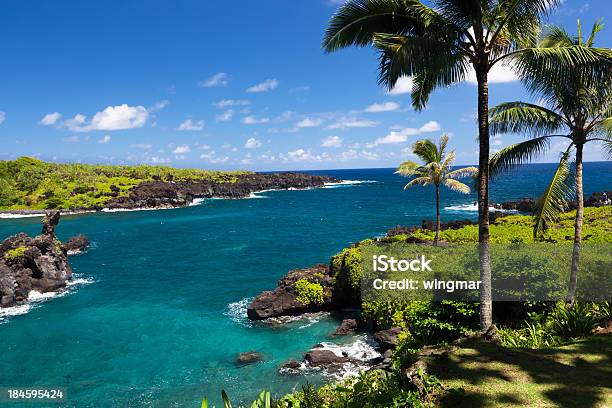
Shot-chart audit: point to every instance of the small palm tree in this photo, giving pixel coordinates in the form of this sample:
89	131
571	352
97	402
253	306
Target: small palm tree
436	170
437	43
573	108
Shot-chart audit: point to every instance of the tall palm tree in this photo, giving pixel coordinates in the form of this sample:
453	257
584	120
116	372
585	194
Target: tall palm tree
438	46
572	108
436	170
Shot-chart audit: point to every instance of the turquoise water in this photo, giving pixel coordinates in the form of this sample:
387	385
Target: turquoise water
157	320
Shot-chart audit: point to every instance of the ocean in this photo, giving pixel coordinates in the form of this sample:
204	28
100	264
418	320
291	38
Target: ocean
157	312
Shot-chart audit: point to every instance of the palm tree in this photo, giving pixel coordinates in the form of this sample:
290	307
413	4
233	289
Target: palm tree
435	170
572	108
438	46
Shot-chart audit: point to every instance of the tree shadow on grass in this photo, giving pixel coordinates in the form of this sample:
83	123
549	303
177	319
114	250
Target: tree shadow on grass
482	374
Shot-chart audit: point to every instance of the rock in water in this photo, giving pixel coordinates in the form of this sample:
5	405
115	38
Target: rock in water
283	300
28	264
324	358
76	244
348	326
249	357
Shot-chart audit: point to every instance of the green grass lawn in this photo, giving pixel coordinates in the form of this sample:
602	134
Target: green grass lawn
480	374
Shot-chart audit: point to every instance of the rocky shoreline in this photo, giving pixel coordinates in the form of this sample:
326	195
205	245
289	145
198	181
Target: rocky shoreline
288	299
37	264
160	194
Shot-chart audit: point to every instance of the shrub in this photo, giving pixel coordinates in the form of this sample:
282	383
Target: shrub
308	292
13	255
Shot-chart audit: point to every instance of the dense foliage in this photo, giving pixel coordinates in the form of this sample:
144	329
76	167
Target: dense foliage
28	183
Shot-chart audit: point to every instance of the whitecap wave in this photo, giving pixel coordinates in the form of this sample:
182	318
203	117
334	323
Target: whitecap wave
197	201
474	208
36	298
9	215
361	352
237	312
347	183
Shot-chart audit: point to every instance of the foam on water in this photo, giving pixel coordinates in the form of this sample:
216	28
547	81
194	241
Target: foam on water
36	298
237	312
361	351
347	183
474	208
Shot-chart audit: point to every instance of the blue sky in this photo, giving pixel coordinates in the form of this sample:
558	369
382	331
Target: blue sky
220	85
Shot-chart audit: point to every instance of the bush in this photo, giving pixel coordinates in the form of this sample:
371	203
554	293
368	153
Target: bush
14	255
308	292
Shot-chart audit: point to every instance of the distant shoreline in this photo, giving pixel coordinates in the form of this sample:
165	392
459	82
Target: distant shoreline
26	213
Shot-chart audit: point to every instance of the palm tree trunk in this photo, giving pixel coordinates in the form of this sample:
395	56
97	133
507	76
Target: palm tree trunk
484	257
437	238
573	282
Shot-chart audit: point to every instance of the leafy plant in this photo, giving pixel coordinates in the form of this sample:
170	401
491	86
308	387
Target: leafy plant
308	292
263	401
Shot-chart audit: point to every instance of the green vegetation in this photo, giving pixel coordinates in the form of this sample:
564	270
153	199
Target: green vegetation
438	43
308	292
482	374
576	108
28	183
436	171
16	254
263	401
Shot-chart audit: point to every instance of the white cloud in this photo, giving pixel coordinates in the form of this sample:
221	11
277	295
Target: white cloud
191	125
223	159
497	140
219	79
431	126
181	150
401	136
402	86
208	155
105	140
301	155
50	119
332	141
352	123
500	73
118	117
159	106
225	116
309	122
2	117
252	120
252	143
383	107
225	103
158	160
265	86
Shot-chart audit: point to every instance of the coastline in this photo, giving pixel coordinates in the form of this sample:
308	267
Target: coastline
195	201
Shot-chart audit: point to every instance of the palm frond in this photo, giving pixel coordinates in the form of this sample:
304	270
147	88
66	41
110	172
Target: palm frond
543	68
356	21
463	172
456	186
413	55
554	199
419	181
408	168
513	155
426	150
522	117
597	26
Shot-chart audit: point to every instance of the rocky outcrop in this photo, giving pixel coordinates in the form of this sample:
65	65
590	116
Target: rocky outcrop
348	326
76	245
283	301
249	357
388	339
28	264
524	205
324	358
165	194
